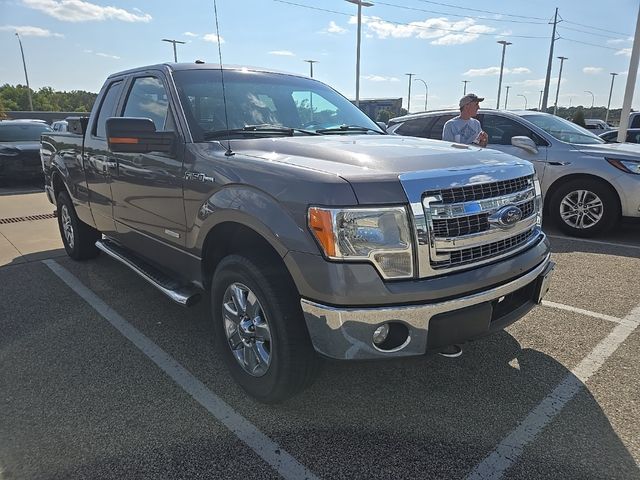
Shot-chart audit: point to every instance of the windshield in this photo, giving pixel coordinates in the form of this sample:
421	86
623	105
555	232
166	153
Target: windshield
265	99
563	130
22	132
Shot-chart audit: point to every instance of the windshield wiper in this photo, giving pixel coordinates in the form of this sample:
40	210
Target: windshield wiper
348	128
264	129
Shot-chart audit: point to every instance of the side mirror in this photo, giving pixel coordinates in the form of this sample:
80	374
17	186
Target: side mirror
137	135
524	143
382	125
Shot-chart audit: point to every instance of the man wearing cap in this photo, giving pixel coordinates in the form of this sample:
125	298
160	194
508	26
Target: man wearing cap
464	128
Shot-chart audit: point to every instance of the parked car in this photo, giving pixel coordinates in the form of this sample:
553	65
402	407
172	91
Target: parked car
596	125
312	230
60	126
20	148
587	184
633	136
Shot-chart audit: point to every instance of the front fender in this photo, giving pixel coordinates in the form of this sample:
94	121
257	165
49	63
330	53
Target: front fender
284	228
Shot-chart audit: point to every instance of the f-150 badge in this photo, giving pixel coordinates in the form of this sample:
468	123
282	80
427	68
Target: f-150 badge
201	177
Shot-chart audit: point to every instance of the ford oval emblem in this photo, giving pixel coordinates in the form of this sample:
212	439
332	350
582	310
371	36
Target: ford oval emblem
506	217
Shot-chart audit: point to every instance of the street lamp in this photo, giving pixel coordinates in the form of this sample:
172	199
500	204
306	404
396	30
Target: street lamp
175	54
555	105
525	100
426	97
504	44
593	98
613	77
506	98
465	86
409	95
360	3
26	77
311	62
540	101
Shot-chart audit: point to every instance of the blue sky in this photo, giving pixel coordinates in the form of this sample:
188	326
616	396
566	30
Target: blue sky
75	44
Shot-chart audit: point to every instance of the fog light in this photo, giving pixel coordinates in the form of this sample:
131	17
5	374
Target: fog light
380	334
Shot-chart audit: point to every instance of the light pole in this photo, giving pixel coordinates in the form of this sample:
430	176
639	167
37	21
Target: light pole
26	77
613	77
540	101
525	100
175	54
504	44
360	3
593	98
409	95
464	92
506	98
311	62
426	88
555	105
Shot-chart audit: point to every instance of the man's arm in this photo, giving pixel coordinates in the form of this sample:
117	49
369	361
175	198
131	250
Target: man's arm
447	132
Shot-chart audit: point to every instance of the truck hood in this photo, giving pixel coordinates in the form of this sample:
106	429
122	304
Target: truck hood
353	156
623	151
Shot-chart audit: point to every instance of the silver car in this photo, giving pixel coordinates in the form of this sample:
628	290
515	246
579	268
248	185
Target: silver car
588	185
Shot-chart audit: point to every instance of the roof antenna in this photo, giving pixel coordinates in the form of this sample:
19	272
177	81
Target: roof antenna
228	153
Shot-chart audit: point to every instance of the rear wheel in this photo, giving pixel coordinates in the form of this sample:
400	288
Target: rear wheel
78	238
260	329
584	207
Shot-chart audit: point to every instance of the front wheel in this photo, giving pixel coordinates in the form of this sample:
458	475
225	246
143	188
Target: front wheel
260	330
78	238
584	208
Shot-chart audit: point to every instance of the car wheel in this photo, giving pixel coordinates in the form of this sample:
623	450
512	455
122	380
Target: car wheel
584	208
78	238
260	329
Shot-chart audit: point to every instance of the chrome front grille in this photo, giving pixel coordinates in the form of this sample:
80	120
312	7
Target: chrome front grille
466	219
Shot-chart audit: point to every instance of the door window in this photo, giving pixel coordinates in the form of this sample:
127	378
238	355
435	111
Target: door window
500	130
435	131
416	127
107	109
148	99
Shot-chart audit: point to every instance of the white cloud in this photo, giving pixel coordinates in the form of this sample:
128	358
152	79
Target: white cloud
80	11
334	28
625	51
483	72
213	38
538	82
592	70
106	55
190	34
29	31
441	30
380	78
615	41
282	53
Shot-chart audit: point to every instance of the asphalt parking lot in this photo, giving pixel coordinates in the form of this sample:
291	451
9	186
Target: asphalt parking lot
102	377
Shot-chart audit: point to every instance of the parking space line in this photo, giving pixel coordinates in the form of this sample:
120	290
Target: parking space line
511	447
581	311
287	466
596	242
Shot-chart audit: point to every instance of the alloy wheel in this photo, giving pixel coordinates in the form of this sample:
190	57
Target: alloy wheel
581	209
67	226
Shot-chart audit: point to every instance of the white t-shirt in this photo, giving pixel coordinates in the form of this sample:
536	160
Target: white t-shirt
461	131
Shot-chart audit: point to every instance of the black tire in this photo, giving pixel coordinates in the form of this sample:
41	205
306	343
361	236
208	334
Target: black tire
594	222
78	238
293	363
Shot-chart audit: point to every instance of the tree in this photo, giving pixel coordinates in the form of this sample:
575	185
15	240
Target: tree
383	116
578	117
16	98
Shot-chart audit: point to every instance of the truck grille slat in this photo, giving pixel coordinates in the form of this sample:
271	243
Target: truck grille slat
481	191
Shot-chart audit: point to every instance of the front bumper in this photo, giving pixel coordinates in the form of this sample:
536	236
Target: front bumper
347	333
628	187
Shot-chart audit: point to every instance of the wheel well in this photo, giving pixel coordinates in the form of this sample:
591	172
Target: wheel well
577	176
233	238
58	185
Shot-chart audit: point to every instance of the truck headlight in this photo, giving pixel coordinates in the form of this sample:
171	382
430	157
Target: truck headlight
628	166
377	235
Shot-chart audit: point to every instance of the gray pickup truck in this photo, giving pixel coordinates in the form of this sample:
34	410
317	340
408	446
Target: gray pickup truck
312	231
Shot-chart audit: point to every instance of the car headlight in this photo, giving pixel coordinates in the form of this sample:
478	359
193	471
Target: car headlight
377	235
628	166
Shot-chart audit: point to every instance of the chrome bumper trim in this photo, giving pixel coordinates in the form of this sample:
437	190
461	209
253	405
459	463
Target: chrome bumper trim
346	333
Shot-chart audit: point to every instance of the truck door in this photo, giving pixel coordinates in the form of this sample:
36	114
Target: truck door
147	187
98	162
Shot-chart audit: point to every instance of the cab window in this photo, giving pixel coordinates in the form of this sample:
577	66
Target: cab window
107	108
148	98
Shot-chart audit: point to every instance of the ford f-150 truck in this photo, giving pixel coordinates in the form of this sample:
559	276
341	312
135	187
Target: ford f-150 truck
313	232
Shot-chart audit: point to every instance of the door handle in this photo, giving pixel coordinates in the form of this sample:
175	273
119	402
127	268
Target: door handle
559	164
